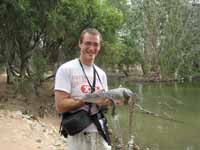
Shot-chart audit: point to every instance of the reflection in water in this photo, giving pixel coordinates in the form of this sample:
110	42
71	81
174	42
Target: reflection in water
189	147
140	92
180	101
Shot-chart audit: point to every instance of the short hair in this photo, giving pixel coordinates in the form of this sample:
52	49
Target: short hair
92	31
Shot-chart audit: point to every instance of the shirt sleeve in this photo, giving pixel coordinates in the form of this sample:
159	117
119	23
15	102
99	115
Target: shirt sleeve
62	80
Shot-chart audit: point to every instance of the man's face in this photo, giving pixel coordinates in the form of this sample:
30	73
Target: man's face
89	47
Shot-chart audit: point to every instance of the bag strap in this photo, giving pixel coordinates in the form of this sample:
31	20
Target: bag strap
92	86
98	76
102	130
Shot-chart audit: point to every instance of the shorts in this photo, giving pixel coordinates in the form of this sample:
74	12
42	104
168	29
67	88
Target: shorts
87	141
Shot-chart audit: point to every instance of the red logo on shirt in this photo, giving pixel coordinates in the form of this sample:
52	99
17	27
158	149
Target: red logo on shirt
87	89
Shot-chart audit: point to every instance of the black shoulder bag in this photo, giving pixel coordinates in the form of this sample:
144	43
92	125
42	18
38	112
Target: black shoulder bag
73	123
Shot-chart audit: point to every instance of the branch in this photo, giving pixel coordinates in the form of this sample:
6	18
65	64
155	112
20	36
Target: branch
166	117
47	78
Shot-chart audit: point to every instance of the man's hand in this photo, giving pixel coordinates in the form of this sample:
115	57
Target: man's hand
103	102
119	102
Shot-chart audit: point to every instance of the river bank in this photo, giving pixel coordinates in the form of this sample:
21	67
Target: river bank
31	122
28	122
154	77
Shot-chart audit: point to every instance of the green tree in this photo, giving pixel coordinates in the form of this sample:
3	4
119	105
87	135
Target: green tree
71	17
53	27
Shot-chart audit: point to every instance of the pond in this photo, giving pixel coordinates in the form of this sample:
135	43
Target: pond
178	124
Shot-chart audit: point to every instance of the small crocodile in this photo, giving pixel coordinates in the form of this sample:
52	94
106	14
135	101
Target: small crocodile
113	95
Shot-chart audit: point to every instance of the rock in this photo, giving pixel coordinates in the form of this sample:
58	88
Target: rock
18	113
39	141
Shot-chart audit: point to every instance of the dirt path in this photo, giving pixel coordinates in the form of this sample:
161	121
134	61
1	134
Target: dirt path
28	122
22	132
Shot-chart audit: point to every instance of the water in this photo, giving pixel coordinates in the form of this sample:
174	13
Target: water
179	101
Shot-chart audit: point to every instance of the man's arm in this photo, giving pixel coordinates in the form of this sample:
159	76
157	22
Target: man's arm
65	103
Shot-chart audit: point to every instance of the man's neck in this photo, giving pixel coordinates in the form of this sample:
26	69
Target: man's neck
86	62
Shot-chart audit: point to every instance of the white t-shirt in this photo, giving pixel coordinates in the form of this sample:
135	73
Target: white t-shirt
70	78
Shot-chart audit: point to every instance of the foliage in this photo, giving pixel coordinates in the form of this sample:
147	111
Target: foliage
23	86
161	36
39	67
164	33
51	26
179	52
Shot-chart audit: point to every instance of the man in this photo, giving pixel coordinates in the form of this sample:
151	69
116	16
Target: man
76	78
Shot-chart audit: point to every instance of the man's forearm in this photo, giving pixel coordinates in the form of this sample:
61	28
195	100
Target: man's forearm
65	103
68	104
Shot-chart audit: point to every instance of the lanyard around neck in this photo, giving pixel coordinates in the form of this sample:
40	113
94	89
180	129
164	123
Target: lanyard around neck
92	86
